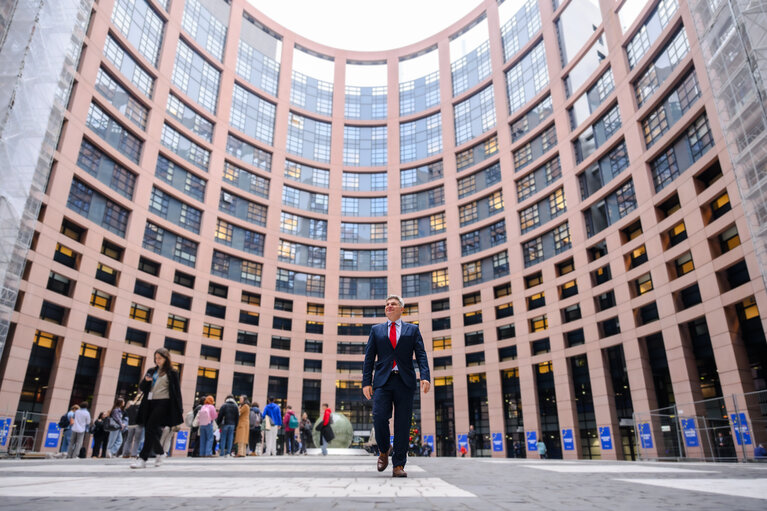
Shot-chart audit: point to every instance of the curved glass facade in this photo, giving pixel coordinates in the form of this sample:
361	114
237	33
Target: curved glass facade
552	198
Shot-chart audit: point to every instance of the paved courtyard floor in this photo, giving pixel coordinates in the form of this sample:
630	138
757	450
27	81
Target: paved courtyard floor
352	483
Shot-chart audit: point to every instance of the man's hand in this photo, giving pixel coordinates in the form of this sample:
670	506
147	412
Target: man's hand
425	386
367	391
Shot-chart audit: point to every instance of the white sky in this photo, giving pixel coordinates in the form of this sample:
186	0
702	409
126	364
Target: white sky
365	25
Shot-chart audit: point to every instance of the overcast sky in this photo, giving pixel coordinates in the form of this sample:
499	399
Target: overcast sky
365	25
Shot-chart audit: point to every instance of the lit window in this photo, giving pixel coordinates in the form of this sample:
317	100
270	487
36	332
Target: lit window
644	284
44	339
177	323
437	222
729	239
442	343
750	310
224	231
539	323
140	313
212	331
89	351
684	264
101	300
439	279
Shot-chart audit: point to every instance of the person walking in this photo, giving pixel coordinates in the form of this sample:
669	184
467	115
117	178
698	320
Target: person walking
724	447
100	437
205	418
80	424
161	407
390	349
228	415
305	427
290	423
114	424
517	450
254	438
325	427
242	435
473	438
65	425
134	432
541	446
194	431
273	418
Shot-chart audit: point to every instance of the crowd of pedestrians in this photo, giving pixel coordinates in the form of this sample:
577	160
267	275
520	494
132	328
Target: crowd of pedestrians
143	427
240	428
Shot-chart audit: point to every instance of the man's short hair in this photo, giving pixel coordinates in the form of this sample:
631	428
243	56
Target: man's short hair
398	298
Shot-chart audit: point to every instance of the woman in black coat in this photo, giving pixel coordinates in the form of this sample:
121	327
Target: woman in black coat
160	407
100	437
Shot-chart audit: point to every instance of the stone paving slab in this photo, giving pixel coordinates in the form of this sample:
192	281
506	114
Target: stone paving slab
352	483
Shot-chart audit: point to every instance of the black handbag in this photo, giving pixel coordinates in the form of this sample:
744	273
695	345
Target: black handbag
111	424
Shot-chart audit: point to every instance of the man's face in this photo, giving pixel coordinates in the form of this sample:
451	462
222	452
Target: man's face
393	309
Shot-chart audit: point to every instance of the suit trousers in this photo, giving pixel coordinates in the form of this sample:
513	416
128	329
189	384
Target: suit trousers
394	393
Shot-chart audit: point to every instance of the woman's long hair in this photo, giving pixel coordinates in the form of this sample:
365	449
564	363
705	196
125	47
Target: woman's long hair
167	366
119	403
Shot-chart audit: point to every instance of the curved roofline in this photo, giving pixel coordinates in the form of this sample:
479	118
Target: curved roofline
413	48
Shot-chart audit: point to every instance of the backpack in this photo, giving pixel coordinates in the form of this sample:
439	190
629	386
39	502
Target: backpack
255	419
293	422
189	418
64	421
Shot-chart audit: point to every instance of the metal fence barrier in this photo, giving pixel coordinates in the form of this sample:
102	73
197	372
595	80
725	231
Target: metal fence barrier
723	429
24	432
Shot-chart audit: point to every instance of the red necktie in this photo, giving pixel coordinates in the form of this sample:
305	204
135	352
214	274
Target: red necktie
393	339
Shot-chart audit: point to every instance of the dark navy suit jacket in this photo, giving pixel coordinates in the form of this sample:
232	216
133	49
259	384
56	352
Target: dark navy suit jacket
380	353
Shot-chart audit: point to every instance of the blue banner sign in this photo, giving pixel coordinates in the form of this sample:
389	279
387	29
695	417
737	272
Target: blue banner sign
429	440
568	440
5	430
463	441
605	438
742	434
52	435
497	442
181	439
645	435
532	440
690	433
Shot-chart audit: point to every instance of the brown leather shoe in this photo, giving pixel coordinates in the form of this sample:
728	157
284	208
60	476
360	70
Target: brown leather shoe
383	459
399	471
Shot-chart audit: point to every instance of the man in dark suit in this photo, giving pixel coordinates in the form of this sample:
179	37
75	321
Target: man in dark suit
390	348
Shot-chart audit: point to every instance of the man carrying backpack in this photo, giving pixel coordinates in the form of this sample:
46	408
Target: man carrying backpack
65	426
290	422
254	441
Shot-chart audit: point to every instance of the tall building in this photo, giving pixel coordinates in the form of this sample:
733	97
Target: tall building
547	184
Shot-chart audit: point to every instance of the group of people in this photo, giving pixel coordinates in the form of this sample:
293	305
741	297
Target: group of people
388	380
115	432
148	421
241	428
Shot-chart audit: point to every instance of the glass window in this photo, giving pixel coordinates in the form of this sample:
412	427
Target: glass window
131	69
579	20
140	25
203	25
253	115
475	115
197	78
527	78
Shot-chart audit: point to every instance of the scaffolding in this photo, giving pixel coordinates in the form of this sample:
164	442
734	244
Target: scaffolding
733	39
40	43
